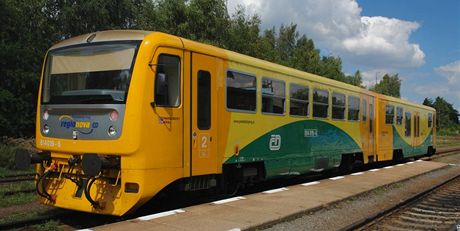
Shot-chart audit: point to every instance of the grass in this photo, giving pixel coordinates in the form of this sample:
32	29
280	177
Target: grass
50	225
8	149
16	186
17	199
26	215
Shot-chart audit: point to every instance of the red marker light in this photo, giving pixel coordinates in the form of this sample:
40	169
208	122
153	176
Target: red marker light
114	115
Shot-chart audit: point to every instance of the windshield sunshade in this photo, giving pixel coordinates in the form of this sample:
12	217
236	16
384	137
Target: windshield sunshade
89	74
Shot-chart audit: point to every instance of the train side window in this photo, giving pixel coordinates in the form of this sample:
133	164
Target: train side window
399	115
430	120
241	91
353	108
273	96
298	104
167	81
407	124
204	100
364	110
320	103
389	114
338	106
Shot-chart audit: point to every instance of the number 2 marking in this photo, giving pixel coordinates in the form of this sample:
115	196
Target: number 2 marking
204	142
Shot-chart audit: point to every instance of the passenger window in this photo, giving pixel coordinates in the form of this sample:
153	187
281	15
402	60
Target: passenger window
407	125
338	106
320	103
364	110
273	96
353	108
430	120
167	81
241	91
399	115
298	100
389	114
204	100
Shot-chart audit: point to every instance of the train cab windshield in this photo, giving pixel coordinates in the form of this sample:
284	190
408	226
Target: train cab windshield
89	74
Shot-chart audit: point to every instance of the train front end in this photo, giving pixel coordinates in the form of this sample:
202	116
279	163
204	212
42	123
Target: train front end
83	132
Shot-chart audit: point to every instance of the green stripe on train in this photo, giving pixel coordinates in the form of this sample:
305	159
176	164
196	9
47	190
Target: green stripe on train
298	147
409	150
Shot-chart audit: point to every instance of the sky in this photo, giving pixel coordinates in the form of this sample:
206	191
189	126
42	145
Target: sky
418	39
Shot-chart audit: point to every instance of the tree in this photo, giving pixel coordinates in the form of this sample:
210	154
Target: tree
389	85
355	79
428	102
447	114
331	67
305	56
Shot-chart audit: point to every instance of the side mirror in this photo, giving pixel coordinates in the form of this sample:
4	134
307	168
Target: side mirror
161	89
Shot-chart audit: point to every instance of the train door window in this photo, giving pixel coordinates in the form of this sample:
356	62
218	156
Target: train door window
338	106
371	116
417	125
298	101
430	120
389	114
241	91
273	96
320	103
399	115
364	110
167	81
407	124
353	108
204	100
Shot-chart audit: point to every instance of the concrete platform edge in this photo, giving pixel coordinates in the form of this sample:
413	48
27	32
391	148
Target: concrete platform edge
317	208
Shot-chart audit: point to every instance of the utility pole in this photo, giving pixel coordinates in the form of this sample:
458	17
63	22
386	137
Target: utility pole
376	73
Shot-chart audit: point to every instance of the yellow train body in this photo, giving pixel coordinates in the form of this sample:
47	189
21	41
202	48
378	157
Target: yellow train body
202	134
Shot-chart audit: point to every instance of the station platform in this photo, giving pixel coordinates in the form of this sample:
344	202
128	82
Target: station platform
255	210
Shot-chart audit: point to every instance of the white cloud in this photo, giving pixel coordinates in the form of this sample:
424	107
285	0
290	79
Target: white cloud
338	26
451	71
431	91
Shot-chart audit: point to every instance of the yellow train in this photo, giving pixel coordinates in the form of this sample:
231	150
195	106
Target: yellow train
123	114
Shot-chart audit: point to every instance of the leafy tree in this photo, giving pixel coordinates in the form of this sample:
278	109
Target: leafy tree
428	102
447	114
355	79
331	67
389	85
305	56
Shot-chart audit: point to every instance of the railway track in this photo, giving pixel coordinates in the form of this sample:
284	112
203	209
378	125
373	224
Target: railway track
17	178
437	209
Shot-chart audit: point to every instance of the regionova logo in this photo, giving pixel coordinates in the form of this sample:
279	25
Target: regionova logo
82	124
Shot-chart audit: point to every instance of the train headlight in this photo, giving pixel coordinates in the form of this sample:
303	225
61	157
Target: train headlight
46	115
46	129
112	131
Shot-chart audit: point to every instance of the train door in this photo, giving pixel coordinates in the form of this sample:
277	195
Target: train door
167	127
385	130
203	115
371	134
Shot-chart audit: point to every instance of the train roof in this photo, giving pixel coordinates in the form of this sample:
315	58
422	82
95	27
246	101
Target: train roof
175	41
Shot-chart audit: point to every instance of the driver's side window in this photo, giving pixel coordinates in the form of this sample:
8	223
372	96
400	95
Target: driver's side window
167	81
